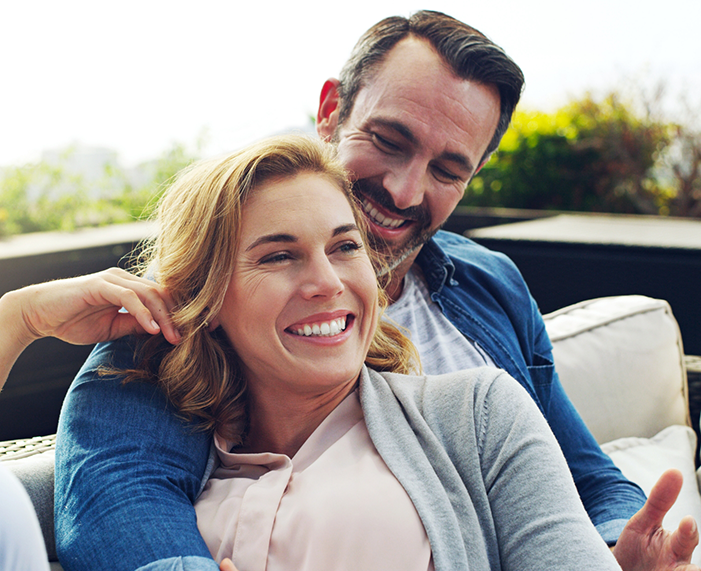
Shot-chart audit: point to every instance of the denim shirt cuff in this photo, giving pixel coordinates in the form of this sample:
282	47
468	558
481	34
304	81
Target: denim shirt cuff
611	530
190	563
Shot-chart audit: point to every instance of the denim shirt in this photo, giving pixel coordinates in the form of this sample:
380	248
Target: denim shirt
484	295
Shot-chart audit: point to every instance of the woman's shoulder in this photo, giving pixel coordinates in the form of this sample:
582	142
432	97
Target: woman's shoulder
452	394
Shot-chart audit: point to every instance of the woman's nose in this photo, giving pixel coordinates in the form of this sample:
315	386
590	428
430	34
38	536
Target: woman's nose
321	279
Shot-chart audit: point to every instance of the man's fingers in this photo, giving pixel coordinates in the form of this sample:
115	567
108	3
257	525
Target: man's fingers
662	497
685	539
227	565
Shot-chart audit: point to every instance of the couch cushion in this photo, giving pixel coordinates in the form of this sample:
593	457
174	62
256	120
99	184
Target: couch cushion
620	360
643	460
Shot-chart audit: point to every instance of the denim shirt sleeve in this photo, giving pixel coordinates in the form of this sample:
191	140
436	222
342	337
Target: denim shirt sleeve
609	498
128	470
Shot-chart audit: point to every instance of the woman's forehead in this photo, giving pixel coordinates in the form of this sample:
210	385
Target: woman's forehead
305	199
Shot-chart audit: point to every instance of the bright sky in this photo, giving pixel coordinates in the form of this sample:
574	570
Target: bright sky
139	75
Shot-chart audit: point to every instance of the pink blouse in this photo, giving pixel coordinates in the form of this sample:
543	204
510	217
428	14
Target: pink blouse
334	505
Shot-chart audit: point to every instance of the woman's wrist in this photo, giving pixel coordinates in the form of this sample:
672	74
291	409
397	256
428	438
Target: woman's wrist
15	335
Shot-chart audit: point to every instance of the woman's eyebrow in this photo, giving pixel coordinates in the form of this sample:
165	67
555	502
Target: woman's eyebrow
268	238
289	238
345	228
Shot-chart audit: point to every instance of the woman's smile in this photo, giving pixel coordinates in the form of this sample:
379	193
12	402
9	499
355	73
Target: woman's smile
319	326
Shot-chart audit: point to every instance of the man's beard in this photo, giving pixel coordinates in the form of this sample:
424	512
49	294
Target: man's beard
421	232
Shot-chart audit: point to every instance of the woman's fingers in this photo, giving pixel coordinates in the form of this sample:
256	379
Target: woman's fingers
99	307
147	302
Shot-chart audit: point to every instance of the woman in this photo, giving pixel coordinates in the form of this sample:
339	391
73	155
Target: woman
324	461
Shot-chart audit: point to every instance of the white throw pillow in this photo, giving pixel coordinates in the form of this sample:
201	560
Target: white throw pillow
621	362
643	460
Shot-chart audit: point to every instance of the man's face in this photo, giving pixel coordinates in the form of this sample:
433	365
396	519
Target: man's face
412	142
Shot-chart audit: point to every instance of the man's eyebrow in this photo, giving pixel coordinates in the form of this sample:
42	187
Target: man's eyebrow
397	126
290	239
459	159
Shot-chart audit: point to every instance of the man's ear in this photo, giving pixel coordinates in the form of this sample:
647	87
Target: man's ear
327	115
484	162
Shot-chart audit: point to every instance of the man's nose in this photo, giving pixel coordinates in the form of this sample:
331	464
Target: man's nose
406	184
321	278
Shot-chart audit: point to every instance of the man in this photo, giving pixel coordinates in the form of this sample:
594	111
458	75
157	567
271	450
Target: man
419	108
413	126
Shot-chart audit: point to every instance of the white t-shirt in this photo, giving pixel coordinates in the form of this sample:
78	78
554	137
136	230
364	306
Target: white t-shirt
443	349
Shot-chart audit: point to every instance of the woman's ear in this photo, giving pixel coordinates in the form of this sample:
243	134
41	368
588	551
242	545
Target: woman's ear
327	115
213	324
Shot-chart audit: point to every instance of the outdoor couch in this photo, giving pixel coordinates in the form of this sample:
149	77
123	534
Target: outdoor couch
621	361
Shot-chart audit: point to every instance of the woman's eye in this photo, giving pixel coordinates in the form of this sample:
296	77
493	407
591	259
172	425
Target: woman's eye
276	258
350	247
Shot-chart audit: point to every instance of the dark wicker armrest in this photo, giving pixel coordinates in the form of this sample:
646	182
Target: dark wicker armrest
693	374
16	449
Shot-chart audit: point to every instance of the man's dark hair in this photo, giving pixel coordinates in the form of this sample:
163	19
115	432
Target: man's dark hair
470	54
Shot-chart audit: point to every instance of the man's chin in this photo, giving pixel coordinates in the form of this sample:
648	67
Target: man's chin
391	257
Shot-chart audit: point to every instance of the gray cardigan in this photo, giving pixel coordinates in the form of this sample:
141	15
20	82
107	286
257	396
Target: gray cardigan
483	470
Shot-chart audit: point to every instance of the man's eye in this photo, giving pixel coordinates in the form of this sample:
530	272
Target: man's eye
383	144
445	176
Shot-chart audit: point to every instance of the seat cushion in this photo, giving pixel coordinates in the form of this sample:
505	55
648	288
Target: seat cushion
621	362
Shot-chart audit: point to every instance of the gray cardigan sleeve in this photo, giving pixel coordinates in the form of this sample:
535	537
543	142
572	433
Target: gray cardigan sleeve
539	519
483	470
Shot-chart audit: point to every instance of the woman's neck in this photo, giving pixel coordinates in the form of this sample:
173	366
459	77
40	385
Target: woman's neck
282	423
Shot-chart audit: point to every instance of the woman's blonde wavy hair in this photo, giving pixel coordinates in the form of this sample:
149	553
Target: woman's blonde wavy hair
193	257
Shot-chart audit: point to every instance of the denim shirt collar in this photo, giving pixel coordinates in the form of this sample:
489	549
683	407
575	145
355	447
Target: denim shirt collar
437	267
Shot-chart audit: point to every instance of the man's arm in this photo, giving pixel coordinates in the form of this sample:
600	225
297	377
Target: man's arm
609	497
128	470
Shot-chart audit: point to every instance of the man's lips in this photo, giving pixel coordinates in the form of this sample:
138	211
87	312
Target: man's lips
381	217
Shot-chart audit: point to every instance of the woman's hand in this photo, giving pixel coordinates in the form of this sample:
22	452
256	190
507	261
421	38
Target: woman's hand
88	309
83	310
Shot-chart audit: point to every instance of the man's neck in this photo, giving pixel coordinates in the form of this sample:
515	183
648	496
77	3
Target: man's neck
396	284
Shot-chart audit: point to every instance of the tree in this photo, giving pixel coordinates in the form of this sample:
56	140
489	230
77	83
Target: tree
614	154
46	196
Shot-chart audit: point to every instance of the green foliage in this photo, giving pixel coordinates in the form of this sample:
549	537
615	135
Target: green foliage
40	196
591	155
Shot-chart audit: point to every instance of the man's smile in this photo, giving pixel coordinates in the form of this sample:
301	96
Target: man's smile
378	217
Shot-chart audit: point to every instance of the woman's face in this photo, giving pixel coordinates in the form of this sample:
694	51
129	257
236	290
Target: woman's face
301	308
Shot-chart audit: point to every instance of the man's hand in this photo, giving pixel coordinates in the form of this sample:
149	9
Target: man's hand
644	545
227	565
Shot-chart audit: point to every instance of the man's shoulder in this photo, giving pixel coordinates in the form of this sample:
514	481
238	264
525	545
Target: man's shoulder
466	252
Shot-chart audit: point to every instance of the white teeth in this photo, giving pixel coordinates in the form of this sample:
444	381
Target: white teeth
380	218
323	329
